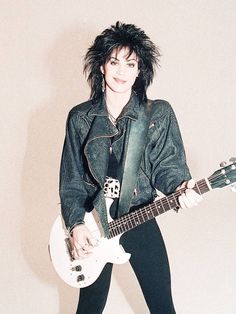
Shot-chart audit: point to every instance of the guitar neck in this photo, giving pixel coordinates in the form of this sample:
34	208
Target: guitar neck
150	211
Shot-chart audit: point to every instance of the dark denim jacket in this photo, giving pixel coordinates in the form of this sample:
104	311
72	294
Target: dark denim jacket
86	154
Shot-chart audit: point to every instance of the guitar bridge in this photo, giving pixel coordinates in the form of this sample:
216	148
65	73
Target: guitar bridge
69	249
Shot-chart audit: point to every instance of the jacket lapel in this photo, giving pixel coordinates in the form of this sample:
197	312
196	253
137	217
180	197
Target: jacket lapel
98	143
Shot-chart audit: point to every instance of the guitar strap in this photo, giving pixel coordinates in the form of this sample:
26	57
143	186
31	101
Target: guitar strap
136	145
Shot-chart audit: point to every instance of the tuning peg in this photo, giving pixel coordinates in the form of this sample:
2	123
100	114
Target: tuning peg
233	159
223	164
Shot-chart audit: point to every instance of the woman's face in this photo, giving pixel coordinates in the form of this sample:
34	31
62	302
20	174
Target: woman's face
120	71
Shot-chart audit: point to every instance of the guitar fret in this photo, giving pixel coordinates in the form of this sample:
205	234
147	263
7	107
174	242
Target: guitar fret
197	188
123	226
120	228
131	220
111	233
148	212
202	186
145	214
136	221
115	233
129	225
142	216
156	211
168	203
161	207
174	203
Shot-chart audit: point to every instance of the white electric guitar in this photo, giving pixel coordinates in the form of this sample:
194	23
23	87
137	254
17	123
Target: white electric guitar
83	272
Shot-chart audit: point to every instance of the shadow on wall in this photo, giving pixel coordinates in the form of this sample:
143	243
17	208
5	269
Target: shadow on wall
42	159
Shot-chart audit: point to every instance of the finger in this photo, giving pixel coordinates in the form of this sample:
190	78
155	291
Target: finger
198	197
79	252
93	242
86	247
83	253
183	185
78	248
191	184
189	199
183	201
88	241
75	253
193	196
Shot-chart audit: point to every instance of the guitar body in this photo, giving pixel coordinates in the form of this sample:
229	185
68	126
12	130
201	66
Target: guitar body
83	272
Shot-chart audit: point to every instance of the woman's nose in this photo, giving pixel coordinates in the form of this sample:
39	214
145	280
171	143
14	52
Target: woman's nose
120	69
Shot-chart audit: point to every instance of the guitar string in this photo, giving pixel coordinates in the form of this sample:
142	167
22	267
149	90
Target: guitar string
162	205
132	217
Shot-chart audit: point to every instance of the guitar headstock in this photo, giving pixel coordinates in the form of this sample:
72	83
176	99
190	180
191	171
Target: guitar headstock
225	176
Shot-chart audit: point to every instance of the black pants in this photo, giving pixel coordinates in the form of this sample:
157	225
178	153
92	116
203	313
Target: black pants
150	263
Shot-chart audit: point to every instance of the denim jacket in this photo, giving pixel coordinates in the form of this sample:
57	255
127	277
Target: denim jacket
86	150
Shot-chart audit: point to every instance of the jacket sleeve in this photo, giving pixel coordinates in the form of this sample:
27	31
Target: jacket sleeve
169	167
72	191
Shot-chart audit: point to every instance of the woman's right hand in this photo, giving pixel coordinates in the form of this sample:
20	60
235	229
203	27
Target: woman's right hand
82	241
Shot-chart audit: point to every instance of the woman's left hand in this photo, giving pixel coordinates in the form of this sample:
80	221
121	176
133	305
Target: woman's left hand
189	198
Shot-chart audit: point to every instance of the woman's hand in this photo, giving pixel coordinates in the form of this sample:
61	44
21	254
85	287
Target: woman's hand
189	198
82	241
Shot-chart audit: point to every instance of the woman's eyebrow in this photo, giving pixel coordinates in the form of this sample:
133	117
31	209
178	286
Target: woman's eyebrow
128	59
132	59
114	58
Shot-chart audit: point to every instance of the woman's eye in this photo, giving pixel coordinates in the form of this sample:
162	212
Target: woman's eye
131	65
113	62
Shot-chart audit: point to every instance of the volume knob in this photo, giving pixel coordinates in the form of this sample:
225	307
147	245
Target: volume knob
80	278
77	268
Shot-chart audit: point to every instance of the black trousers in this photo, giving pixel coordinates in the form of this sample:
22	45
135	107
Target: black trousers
150	263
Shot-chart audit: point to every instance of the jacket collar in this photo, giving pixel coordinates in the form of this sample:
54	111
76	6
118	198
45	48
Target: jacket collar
129	111
98	142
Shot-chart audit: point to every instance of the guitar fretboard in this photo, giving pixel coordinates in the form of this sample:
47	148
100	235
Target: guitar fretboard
162	205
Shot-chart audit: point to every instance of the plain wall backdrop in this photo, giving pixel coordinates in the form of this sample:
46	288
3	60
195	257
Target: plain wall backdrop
42	48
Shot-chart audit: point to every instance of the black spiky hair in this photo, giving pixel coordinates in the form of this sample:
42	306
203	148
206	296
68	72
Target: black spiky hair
116	37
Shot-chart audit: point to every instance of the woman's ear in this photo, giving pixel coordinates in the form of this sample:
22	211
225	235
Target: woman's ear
102	69
138	72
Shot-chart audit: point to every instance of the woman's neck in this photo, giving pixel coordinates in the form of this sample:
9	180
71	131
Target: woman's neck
116	101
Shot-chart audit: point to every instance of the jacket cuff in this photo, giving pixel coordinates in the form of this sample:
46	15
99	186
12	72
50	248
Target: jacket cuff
81	222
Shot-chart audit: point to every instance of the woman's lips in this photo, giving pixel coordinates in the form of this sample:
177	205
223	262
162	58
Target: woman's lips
119	81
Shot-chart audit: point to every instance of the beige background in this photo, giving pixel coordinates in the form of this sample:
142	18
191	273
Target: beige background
42	46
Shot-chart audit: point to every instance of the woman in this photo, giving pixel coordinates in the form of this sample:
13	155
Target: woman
120	65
